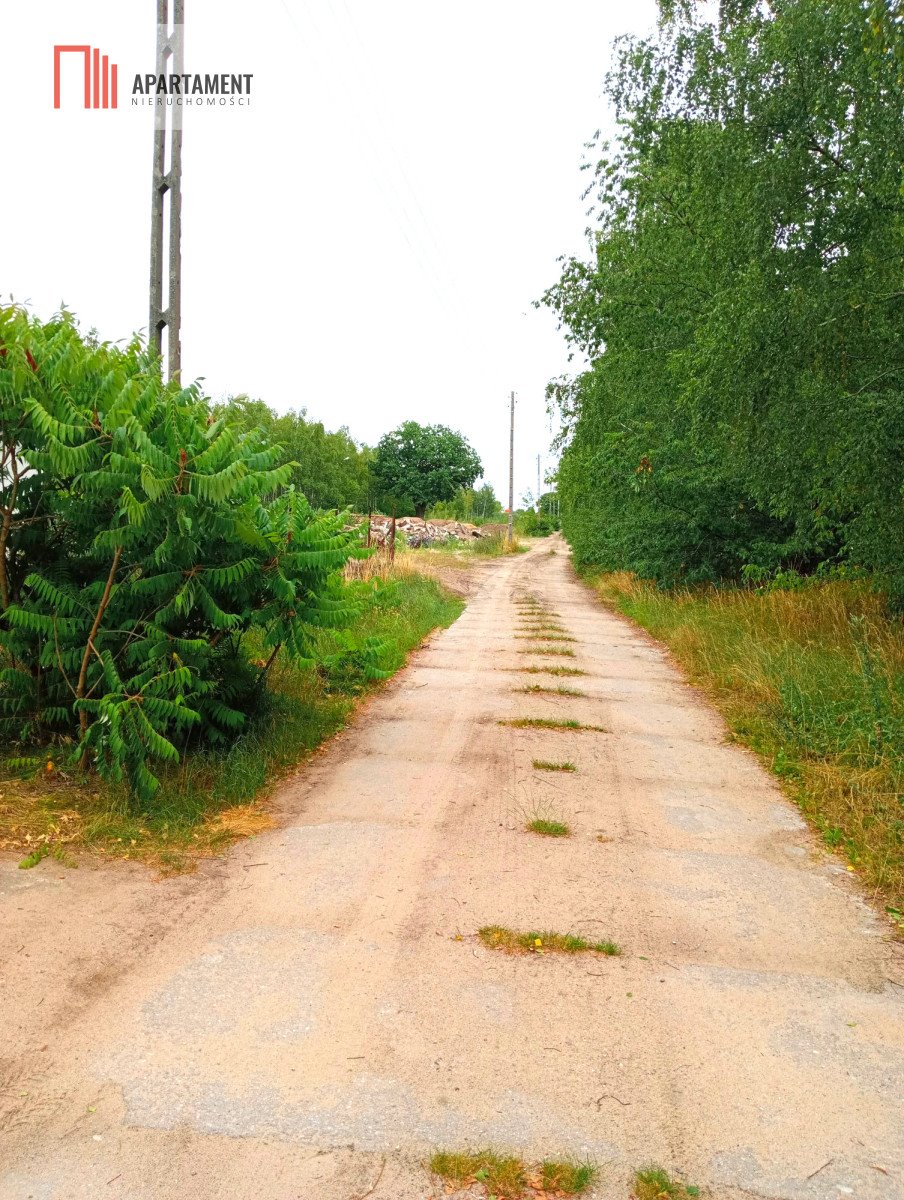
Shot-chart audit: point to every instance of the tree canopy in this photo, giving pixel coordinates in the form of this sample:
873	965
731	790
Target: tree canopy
329	468
420	465
741	311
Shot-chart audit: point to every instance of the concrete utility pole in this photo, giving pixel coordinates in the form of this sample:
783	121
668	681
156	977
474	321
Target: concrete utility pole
538	483
511	523
166	306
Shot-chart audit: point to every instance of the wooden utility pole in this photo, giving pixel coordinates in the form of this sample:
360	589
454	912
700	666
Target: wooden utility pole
166	306
511	521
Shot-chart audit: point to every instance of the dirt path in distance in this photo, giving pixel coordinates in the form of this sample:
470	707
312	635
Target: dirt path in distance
313	1014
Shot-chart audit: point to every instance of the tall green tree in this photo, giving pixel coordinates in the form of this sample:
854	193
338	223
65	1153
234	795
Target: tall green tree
742	307
419	465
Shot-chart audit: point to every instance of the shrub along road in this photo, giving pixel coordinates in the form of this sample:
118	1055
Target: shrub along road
316	1012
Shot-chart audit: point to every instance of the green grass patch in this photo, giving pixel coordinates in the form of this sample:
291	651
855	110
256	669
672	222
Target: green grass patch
546	637
653	1183
560	671
551	723
812	679
549	650
566	1178
535	689
543	764
549	828
497	937
211	797
506	1177
494	547
501	1174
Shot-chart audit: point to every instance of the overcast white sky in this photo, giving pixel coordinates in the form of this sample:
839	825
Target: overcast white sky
365	240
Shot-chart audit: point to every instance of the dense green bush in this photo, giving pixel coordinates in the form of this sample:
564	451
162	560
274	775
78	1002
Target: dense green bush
141	539
530	523
742	308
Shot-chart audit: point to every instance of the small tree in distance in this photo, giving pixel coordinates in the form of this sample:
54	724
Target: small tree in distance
420	465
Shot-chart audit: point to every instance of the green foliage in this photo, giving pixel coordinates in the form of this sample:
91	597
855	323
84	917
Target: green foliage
478	507
143	537
653	1183
530	523
741	311
330	469
419	465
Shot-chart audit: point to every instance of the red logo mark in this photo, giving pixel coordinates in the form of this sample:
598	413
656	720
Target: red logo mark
100	77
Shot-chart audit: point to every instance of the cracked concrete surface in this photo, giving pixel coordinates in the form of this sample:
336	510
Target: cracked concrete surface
313	1009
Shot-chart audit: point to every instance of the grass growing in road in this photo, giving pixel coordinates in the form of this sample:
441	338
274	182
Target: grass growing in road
550	650
548	828
546	637
560	671
653	1183
209	799
537	689
507	1177
551	723
497	937
566	1177
501	1174
542	627
543	764
812	679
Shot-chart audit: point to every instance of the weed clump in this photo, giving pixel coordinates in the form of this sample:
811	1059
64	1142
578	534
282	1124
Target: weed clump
551	723
560	671
539	689
497	937
507	1178
544	764
549	828
654	1183
502	1175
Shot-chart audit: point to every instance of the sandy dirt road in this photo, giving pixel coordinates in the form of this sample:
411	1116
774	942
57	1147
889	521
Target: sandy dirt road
300	1020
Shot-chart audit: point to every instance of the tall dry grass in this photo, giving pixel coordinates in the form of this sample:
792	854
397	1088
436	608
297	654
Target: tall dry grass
813	680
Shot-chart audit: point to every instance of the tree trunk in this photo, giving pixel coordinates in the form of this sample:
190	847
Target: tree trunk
420	510
89	648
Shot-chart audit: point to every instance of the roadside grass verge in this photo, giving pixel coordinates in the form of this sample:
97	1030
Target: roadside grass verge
552	723
544	764
497	937
509	1178
653	1183
548	828
812	679
211	798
